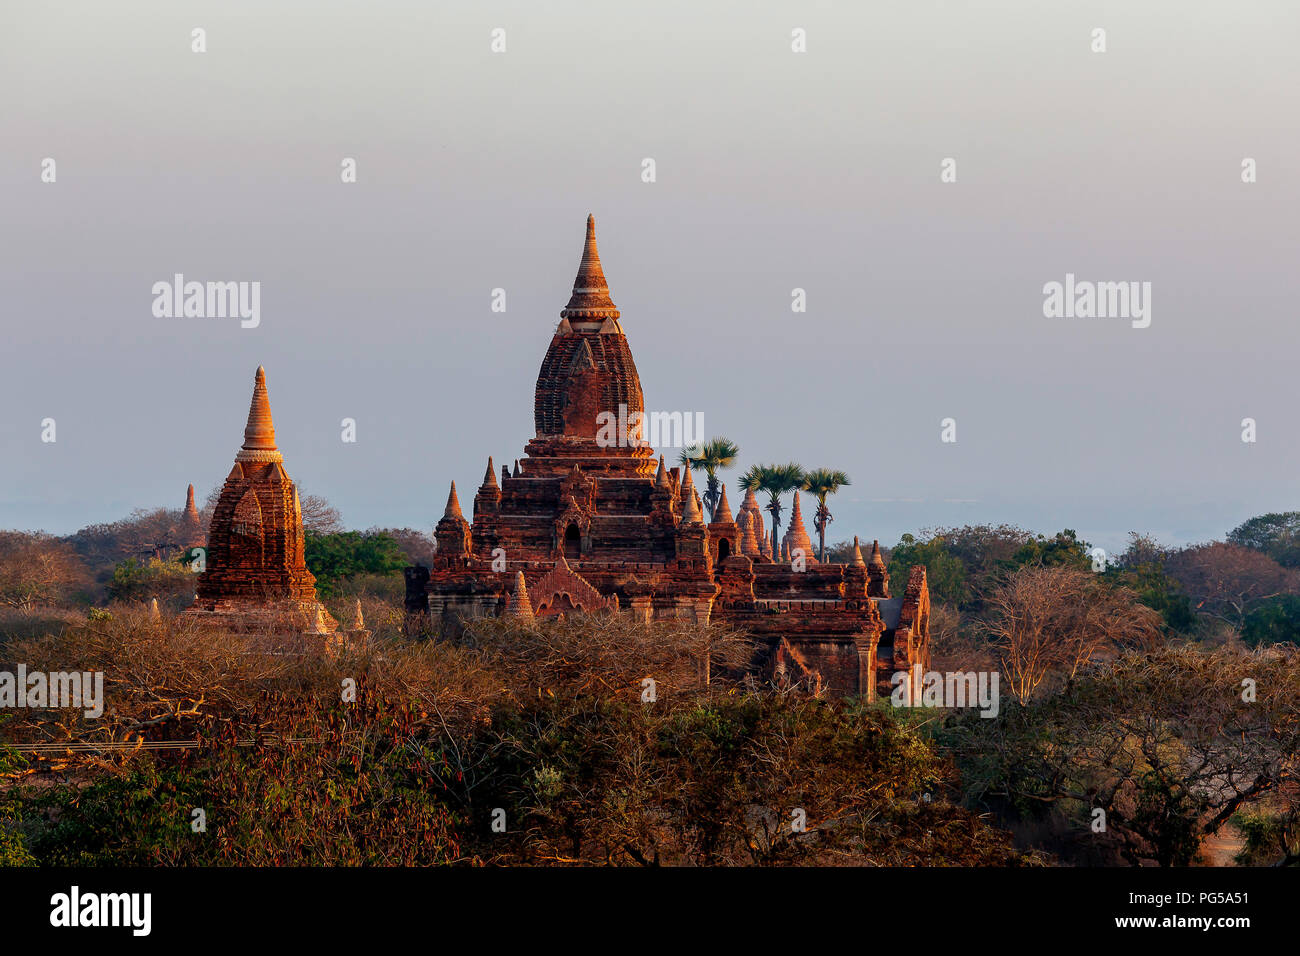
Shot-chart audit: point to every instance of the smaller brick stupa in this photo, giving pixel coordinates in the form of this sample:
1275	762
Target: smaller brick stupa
749	506
256	577
190	530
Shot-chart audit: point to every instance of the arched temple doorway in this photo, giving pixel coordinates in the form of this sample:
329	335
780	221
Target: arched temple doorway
572	542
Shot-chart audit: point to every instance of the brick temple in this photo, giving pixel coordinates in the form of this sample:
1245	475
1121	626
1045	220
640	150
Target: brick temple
583	524
256	577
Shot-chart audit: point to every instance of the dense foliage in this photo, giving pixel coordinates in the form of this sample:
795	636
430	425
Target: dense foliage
1276	534
1276	622
336	557
546	731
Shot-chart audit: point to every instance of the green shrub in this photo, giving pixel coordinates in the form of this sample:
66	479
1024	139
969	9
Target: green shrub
1276	622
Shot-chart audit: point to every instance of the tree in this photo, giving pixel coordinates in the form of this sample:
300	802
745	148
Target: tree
319	515
1276	534
774	480
1276	621
945	574
1141	568
1063	548
1164	743
713	782
417	546
333	557
36	569
170	581
1270	838
1142	549
1047	621
144	533
963	563
819	483
1228	581
714	455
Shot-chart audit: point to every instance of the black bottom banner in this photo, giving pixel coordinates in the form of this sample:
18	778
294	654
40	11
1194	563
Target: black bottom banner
566	906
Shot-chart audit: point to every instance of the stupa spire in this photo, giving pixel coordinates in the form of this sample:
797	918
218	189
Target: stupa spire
856	559
796	535
686	493
691	507
590	301
259	433
877	573
452	531
453	505
490	477
722	513
191	526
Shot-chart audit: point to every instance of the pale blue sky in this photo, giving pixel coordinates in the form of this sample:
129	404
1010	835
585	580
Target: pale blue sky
775	171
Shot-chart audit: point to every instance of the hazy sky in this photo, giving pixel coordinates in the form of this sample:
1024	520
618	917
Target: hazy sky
775	170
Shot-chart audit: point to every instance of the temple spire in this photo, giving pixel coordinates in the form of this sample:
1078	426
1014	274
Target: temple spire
259	433
590	303
691	507
796	515
490	477
687	491
722	513
453	505
191	526
856	560
877	573
796	535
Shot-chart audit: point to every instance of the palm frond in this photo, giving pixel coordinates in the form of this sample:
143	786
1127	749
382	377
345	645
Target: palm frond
776	480
720	452
824	481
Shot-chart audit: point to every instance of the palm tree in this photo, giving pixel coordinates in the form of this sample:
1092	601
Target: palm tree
821	482
713	455
775	480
